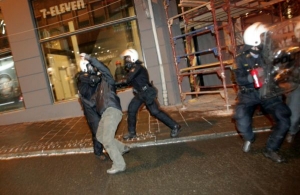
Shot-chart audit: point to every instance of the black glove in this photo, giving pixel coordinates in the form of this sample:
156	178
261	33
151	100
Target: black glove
121	84
94	80
87	57
91	69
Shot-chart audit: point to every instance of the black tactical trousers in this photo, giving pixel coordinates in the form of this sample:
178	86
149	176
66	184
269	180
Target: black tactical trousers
278	110
93	121
154	110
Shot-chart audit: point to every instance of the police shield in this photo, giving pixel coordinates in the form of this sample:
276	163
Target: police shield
281	54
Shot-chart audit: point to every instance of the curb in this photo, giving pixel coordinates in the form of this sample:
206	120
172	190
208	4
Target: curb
133	145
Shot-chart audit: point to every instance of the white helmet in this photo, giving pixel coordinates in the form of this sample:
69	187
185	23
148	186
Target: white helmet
82	54
83	64
132	53
253	32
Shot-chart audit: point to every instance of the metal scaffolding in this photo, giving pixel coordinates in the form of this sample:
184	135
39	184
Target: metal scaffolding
208	16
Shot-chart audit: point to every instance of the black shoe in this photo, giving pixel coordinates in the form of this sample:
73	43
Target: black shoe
129	136
274	156
247	146
175	131
102	156
126	150
290	138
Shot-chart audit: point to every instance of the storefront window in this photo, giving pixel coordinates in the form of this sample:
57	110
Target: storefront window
101	28
10	93
53	16
4	45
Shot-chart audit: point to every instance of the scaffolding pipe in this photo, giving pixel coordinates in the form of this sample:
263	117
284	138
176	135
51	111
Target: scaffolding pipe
179	79
162	72
213	11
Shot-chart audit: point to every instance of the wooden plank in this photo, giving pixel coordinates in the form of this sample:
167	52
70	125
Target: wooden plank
191	3
265	4
227	62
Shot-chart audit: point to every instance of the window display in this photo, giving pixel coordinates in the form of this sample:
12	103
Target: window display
10	92
101	28
3	36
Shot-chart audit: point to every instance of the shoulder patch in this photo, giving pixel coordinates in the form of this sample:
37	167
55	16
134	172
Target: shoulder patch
238	54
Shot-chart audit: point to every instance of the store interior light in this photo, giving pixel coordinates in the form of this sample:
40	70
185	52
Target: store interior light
2	27
5	58
6	66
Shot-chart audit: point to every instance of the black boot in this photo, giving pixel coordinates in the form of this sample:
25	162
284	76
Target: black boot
274	156
175	131
103	156
129	135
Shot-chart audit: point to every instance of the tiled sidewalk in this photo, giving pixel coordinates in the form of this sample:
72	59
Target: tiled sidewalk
203	117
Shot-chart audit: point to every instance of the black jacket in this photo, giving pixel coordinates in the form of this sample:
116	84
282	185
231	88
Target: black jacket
105	95
139	79
83	84
138	76
244	62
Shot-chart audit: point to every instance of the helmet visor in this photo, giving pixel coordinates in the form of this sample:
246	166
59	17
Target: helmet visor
281	54
127	63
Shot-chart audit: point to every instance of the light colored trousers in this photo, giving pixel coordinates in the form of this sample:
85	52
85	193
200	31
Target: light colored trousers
106	131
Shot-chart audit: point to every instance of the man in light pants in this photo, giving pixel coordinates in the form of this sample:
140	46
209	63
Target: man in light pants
108	106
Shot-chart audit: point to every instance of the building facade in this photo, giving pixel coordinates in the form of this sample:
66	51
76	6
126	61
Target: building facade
42	42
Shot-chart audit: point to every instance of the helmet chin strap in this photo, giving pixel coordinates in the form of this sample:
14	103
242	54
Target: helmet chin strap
256	52
255	55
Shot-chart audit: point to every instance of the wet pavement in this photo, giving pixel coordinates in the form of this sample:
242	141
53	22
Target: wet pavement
203	117
205	159
207	167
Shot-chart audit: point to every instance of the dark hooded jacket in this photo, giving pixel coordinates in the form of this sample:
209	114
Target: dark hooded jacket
105	95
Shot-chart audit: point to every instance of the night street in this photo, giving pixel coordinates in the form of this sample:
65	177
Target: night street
212	166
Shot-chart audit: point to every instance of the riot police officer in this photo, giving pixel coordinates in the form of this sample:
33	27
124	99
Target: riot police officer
249	70
294	96
144	93
86	84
